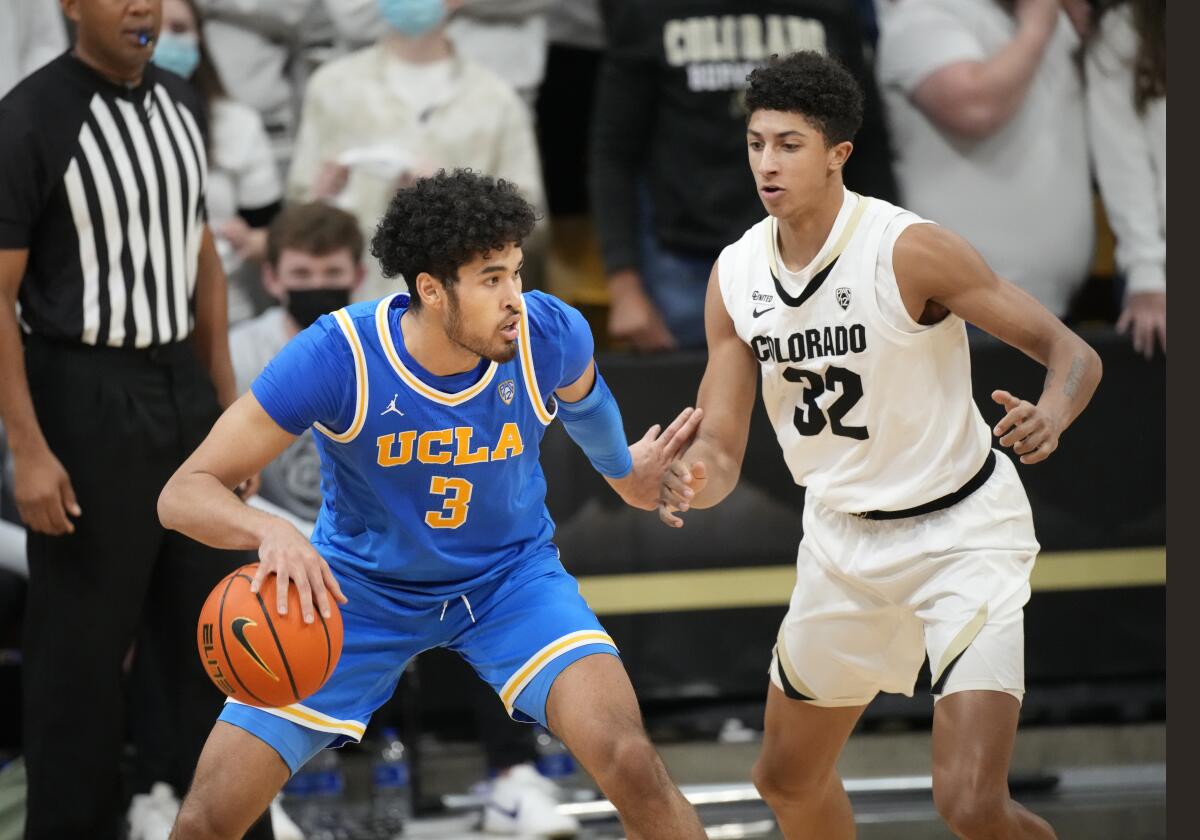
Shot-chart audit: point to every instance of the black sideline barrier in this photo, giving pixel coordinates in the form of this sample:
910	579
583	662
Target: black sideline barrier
1101	497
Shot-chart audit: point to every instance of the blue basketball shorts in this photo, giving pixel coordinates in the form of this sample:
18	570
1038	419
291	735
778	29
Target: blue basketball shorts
518	631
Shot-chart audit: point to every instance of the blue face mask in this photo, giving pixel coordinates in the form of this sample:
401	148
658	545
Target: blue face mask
413	17
177	52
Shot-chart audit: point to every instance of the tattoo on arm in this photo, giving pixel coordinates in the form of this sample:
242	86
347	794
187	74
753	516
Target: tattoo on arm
1074	376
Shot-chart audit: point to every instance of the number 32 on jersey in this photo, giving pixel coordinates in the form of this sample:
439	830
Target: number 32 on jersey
809	418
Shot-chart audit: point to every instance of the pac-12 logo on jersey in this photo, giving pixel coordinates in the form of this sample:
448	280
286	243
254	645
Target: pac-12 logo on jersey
507	391
843	297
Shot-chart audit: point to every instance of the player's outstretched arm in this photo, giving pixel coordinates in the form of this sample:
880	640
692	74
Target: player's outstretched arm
708	470
934	265
592	419
199	501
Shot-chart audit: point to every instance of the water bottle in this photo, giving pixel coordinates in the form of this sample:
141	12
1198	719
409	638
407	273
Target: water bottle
554	760
322	815
391	789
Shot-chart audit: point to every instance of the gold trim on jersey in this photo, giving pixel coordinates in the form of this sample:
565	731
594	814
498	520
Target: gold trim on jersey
836	251
312	719
534	665
785	662
410	379
960	642
531	385
360	375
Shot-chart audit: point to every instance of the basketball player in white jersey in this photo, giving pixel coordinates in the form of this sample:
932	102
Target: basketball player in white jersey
918	537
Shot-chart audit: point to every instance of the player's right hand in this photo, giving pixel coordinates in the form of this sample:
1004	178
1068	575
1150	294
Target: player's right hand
680	484
43	492
288	554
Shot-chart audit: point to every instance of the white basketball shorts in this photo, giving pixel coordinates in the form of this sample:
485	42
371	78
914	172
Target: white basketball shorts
874	598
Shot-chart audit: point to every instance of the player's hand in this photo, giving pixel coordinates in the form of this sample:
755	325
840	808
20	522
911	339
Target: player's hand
680	484
285	553
1145	319
651	456
633	317
1028	429
43	492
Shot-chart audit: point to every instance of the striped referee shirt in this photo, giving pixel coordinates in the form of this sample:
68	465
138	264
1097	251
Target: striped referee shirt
104	186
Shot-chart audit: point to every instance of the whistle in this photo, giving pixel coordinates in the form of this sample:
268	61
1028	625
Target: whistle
143	39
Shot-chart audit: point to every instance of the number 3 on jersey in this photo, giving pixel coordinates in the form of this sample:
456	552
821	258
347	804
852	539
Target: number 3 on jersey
454	509
809	418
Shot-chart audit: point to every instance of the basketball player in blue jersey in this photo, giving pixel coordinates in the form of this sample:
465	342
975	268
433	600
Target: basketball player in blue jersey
428	410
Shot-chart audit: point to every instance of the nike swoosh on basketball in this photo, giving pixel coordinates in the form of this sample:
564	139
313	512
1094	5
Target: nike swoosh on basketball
238	626
758	312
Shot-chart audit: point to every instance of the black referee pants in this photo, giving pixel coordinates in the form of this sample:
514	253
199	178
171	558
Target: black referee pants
121	422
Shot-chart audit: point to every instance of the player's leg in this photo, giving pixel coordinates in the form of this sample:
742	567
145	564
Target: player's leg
840	643
534	639
234	783
972	607
592	708
796	772
973	733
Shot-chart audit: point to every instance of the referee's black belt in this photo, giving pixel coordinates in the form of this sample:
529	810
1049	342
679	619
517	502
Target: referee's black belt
976	481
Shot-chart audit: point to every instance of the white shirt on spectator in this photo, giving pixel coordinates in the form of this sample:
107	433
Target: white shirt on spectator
352	108
242	175
1130	150
31	33
1022	196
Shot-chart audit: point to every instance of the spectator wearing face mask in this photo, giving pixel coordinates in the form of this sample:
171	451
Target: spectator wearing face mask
313	263
401	108
244	189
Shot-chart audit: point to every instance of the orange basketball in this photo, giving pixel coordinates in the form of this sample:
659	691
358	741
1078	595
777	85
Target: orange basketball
258	656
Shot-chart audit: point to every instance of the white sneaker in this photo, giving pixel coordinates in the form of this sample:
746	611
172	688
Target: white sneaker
523	802
152	814
285	827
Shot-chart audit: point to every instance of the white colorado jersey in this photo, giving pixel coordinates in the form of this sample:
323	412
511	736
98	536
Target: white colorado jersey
873	411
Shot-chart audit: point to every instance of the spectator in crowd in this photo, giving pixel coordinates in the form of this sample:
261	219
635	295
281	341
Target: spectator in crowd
508	37
244	190
405	107
255	43
1127	110
32	34
669	184
986	105
124	368
314	261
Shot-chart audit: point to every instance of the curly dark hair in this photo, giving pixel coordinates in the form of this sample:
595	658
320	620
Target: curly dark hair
813	85
442	222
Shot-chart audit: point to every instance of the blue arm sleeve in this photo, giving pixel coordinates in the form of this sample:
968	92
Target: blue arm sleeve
595	424
311	380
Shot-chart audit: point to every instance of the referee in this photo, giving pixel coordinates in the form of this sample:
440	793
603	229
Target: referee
114	363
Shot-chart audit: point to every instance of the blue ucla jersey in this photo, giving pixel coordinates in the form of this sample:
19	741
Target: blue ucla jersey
430	483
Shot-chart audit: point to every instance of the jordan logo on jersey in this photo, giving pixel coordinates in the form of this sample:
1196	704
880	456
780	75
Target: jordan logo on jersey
843	297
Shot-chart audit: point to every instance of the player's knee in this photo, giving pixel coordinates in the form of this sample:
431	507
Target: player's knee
631	761
970	811
788	780
200	821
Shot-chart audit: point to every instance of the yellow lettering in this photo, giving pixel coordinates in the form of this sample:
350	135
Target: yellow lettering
510	443
463	453
425	446
384	444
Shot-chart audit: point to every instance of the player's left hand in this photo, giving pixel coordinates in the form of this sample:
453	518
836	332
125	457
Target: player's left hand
651	457
1029	429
